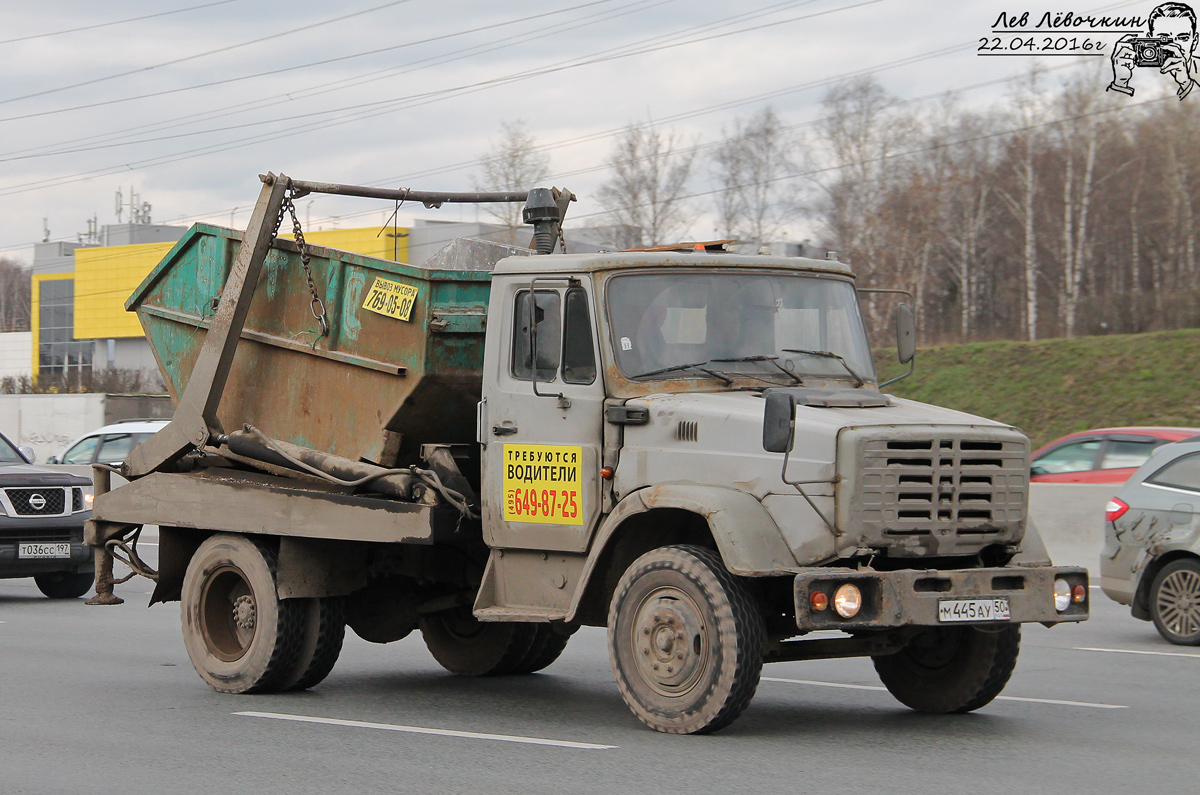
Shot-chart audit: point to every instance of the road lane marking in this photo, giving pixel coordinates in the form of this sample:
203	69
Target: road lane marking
392	727
1135	651
1054	701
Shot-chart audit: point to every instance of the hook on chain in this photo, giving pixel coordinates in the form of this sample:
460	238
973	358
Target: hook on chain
316	305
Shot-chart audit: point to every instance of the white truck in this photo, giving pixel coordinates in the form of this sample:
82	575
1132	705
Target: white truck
689	448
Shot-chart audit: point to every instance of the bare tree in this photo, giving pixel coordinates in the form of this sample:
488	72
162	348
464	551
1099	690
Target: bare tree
512	163
1030	102
650	172
754	200
861	132
14	295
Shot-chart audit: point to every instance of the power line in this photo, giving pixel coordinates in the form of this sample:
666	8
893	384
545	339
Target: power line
306	65
814	172
678	116
198	55
373	109
114	22
920	150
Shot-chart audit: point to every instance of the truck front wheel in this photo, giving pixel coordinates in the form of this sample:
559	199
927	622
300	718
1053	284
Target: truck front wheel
951	669
685	639
241	637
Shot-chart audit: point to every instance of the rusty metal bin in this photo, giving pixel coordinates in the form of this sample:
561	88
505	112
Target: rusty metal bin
377	386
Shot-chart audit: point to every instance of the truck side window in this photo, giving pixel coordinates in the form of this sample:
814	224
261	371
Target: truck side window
579	357
549	335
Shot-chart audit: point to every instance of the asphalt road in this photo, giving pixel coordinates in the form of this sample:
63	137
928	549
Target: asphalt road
103	700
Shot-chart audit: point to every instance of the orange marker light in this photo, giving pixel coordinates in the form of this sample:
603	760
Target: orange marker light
606	473
818	601
1078	594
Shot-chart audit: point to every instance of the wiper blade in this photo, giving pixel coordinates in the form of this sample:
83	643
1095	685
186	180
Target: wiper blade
830	355
698	366
770	360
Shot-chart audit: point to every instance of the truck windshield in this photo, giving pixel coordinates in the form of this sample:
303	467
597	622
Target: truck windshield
737	323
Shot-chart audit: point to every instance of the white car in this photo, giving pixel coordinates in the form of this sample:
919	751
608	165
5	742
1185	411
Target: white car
110	444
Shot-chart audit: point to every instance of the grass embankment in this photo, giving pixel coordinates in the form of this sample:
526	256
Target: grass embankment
1060	386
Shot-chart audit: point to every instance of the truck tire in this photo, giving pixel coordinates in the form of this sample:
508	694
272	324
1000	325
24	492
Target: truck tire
241	637
467	646
321	642
686	641
951	669
65	584
1175	602
548	644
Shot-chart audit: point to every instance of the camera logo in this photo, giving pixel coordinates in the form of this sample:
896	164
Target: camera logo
1169	47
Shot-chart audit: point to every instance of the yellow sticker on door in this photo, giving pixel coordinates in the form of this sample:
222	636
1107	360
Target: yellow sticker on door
391	298
542	483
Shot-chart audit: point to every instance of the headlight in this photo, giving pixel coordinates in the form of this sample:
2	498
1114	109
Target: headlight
1062	595
88	499
847	600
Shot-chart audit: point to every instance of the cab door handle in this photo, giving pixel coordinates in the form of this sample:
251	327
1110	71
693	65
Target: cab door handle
503	430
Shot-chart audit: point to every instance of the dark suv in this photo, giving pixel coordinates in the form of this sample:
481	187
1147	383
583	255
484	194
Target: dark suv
41	525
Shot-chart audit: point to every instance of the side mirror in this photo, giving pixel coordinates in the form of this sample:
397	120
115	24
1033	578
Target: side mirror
906	334
777	422
28	454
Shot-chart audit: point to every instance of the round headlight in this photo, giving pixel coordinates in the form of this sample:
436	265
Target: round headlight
847	600
1062	595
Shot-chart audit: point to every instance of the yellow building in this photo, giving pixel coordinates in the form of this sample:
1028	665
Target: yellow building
79	319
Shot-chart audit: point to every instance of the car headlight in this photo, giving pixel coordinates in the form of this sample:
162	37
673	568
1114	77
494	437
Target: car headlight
1062	595
847	600
88	499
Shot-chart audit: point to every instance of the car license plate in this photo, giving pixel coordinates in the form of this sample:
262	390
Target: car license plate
62	550
991	609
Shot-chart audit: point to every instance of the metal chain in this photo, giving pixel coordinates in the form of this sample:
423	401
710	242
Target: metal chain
316	304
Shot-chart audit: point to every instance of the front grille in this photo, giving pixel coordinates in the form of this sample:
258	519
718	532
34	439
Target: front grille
939	491
49	501
76	500
32	535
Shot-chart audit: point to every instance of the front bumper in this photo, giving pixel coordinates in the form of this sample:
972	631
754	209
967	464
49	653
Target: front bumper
51	529
910	598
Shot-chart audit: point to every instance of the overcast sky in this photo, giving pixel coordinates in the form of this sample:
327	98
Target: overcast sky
187	101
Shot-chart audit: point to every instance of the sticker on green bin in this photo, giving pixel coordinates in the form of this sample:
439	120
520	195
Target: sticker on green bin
391	298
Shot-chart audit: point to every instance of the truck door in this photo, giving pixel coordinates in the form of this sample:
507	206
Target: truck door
541	417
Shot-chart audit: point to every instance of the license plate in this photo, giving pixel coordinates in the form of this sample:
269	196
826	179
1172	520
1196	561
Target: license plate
992	609
44	550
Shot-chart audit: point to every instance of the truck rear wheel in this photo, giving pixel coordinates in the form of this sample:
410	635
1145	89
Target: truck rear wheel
548	644
65	584
241	637
464	645
685	639
951	669
320	644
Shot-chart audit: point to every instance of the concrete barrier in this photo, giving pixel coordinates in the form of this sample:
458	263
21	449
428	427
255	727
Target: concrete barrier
1070	517
48	423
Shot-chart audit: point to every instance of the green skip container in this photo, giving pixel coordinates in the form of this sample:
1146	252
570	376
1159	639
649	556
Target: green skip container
401	365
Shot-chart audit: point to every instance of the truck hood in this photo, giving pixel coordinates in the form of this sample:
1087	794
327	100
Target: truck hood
750	405
716	438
